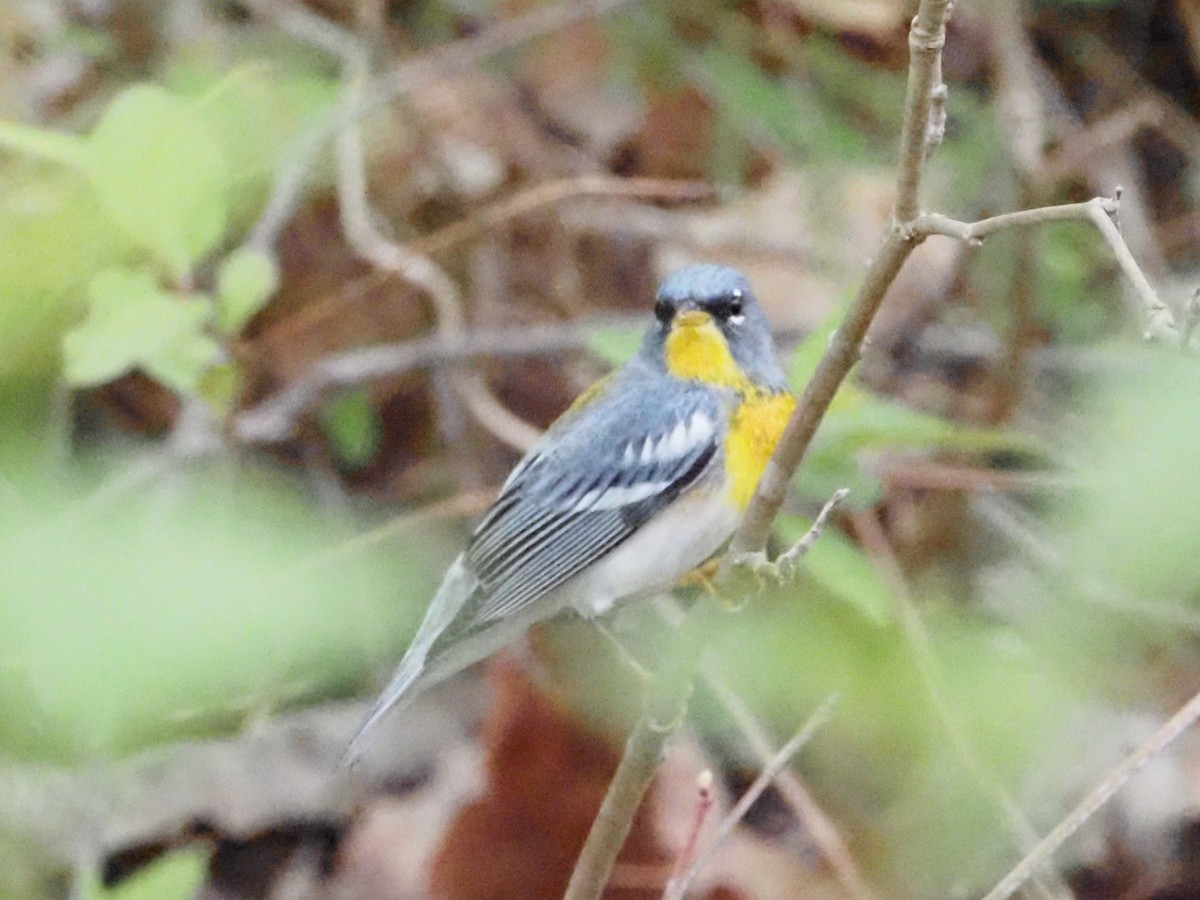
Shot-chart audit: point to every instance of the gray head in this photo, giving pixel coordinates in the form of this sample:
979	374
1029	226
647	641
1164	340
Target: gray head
714	305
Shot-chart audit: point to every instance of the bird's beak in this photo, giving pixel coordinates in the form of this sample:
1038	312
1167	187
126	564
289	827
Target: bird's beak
692	318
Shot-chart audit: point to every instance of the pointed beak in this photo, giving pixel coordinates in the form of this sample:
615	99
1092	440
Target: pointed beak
692	318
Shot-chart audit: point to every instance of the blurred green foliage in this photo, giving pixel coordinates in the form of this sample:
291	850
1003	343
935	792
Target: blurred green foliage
176	876
142	606
116	224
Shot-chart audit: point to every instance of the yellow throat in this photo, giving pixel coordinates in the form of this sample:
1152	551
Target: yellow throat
696	350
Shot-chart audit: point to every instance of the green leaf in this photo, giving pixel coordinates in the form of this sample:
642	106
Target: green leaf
245	283
161	175
614	345
176	876
41	143
134	323
352	425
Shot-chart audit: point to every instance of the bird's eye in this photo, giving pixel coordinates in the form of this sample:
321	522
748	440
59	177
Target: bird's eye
663	311
729	309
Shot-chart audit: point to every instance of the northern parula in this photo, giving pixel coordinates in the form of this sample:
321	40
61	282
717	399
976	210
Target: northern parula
641	480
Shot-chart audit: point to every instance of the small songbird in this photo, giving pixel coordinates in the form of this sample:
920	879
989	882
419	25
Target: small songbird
640	481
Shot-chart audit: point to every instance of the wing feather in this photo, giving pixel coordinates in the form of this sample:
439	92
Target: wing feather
600	474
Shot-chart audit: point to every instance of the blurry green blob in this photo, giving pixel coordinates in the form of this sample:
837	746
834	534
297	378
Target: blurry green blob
160	175
254	113
132	323
27	869
1073	263
53	237
614	345
1137	526
775	110
245	282
647	48
889	756
176	876
351	423
868	97
142	605
859	422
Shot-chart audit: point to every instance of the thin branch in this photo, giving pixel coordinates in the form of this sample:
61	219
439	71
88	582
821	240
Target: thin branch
665	711
926	38
840	357
549	193
677	888
408	77
274	419
1161	321
360	230
816	823
704	805
975	232
1041	854
495	418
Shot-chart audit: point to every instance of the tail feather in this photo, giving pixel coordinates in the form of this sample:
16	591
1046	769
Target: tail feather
407	684
397	695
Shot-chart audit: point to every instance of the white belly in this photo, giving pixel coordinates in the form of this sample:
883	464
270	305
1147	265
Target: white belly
658	554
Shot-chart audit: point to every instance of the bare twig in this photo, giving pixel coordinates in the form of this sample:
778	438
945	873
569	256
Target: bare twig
817	824
677	887
839	358
791	558
704	805
408	77
976	232
551	192
666	707
1041	854
274	419
926	38
1161	321
753	565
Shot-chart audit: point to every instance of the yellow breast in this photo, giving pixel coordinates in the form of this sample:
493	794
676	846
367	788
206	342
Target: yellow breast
753	433
700	353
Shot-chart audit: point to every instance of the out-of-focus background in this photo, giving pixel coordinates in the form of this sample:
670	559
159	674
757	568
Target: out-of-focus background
285	289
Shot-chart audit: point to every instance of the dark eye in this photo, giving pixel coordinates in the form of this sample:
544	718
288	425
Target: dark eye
728	308
663	311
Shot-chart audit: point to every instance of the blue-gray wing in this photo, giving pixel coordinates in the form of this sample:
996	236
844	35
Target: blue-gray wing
592	482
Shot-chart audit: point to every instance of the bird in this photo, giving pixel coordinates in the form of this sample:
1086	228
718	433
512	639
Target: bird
643	479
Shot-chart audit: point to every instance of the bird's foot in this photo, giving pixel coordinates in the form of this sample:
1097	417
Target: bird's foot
704	576
750	573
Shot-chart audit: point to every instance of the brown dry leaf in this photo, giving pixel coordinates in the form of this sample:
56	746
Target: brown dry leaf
675	138
546	778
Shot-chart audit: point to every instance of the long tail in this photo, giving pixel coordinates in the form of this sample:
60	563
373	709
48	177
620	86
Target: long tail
407	683
392	699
